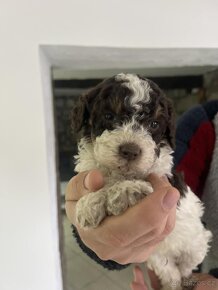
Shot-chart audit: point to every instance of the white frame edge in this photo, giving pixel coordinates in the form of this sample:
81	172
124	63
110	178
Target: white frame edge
88	58
45	67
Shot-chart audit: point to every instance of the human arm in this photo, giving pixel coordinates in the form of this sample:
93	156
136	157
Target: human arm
132	236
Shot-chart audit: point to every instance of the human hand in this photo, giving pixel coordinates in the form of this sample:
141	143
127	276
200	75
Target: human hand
132	236
201	281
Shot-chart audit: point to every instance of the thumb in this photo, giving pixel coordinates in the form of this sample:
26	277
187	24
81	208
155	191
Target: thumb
163	190
83	183
93	181
155	208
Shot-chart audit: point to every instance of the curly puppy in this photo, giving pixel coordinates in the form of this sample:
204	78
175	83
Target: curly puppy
125	128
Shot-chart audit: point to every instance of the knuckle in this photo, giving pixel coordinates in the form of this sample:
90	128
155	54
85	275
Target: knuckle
102	252
140	260
70	186
156	232
117	241
104	256
131	257
73	180
168	228
75	187
158	240
122	260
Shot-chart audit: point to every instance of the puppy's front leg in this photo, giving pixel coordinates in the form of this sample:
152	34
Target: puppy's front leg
124	194
90	209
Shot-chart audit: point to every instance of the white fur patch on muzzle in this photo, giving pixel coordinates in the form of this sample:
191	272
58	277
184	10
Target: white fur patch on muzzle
106	148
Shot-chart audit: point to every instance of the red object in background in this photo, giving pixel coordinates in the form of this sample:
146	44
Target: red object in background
196	162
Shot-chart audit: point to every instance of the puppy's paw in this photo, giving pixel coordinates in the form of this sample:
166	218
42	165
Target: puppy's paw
125	194
90	210
117	201
145	187
137	190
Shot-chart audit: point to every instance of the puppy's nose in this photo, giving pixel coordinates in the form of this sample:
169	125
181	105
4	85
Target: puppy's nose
129	151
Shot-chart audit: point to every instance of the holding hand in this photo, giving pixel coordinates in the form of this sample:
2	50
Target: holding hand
132	236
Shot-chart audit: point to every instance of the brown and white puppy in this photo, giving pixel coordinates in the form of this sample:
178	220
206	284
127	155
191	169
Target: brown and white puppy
125	127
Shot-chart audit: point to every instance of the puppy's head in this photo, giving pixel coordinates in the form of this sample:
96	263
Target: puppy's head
128	120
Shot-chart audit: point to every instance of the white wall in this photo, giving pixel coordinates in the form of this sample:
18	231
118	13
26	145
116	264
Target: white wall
28	250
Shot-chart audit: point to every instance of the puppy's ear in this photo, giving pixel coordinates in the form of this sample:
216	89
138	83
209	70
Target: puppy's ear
81	112
171	127
177	180
78	115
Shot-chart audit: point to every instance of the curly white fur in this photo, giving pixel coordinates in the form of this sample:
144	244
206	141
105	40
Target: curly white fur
184	248
140	88
187	245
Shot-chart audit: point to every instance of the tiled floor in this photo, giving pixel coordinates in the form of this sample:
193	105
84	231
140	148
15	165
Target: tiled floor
81	272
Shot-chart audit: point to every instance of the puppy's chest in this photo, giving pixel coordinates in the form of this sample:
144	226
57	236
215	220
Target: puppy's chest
114	177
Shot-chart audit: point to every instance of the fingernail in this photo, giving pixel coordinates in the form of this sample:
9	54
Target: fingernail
86	181
170	199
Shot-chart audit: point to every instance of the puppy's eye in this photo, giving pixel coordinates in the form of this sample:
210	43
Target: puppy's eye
109	116
154	125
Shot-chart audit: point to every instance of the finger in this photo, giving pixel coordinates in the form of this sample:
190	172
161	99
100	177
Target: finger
164	231
203	281
158	182
137	286
83	183
207	284
107	251
94	180
91	237
136	255
141	254
170	224
156	233
70	208
201	277
155	283
138	275
76	187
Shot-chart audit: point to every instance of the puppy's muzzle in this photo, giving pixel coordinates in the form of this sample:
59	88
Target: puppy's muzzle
129	151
